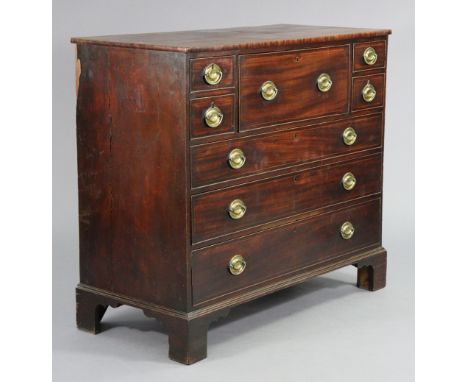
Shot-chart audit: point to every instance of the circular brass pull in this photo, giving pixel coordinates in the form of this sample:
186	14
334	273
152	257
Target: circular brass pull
212	74
324	82
349	136
370	56
348	181
347	230
237	209
237	265
236	158
368	92
213	116
269	91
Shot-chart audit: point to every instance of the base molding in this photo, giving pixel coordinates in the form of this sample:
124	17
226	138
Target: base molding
188	330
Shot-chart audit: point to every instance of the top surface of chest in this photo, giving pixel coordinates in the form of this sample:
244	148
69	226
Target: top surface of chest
243	38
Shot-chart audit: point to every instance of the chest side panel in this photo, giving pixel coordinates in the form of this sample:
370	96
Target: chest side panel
131	130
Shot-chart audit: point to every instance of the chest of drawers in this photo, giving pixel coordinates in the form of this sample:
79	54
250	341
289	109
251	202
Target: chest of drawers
215	167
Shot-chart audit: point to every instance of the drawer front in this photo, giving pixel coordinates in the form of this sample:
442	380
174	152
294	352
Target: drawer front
199	108
218	70
360	84
369	55
214	162
295	76
282	250
281	197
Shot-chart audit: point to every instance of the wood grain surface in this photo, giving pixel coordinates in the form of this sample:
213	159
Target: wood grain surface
210	162
282	250
380	48
268	36
198	106
283	196
154	182
295	74
197	66
378	81
133	232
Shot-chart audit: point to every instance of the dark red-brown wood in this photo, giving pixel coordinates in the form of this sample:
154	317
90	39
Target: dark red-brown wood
295	74
154	184
197	66
378	81
90	310
380	48
287	195
198	106
269	37
267	152
372	272
130	124
283	250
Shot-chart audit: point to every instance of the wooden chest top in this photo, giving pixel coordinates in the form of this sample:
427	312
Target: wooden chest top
268	36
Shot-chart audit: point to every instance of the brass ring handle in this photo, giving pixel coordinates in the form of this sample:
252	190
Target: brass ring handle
237	209
368	92
212	74
236	158
348	181
237	265
370	56
213	116
347	230
324	82
349	136
269	90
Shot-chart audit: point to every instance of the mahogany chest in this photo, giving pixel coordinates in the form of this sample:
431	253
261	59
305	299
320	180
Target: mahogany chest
218	166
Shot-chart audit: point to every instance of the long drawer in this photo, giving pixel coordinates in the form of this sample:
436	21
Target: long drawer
217	161
230	210
282	250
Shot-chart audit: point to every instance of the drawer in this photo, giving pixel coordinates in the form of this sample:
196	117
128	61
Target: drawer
369	55
211	73
220	161
294	75
201	111
280	197
282	250
364	88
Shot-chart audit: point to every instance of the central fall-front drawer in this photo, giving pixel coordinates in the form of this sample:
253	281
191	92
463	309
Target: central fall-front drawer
229	267
223	212
294	85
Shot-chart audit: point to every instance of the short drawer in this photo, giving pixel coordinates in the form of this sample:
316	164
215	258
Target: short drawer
223	212
233	159
369	55
282	87
211	73
368	92
212	115
283	250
